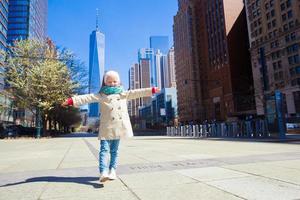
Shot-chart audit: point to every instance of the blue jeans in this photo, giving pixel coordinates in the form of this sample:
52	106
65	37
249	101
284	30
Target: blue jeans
105	147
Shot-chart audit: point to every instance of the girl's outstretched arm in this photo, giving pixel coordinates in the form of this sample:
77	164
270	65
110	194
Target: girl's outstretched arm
82	99
143	92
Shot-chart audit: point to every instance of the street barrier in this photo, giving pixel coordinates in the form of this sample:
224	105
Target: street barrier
255	128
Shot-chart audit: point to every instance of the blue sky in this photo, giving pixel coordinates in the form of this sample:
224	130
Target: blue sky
127	25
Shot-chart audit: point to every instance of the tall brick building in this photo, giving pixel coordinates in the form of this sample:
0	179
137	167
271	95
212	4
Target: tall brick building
204	76
274	34
201	60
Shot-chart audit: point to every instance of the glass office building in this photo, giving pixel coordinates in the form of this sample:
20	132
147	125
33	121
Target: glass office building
148	53
3	23
96	67
27	19
160	43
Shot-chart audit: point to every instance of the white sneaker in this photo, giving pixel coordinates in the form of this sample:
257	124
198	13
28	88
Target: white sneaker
112	174
103	177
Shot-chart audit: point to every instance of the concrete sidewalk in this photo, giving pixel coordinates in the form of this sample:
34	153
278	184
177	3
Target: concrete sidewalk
150	168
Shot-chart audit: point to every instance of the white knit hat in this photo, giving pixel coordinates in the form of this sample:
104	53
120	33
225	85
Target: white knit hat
111	73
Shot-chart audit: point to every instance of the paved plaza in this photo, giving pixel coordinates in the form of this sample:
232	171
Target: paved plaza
150	168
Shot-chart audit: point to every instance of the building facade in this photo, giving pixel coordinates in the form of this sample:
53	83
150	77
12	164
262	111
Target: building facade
159	43
3	23
96	68
135	84
188	82
204	75
274	38
24	19
171	79
240	68
162	111
27	19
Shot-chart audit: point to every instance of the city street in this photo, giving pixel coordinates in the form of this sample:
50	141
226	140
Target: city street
150	168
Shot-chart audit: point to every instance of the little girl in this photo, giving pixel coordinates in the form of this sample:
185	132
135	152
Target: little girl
114	120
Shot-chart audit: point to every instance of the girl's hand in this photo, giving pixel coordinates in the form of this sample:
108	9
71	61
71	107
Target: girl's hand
65	104
68	102
157	90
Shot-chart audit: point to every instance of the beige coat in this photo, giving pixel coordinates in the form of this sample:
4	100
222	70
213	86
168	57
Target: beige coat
114	119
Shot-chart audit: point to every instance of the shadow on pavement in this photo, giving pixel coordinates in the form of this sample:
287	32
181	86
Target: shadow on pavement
79	180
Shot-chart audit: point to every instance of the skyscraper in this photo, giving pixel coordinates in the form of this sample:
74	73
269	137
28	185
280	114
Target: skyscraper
27	19
203	76
134	83
96	66
160	42
148	53
3	23
189	93
4	100
232	9
171	69
144	70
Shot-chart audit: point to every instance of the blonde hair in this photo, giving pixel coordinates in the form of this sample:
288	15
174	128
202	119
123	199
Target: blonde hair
111	73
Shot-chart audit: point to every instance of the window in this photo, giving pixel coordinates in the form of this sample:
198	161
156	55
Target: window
293	36
282	6
267	6
283	17
269	25
274	65
294	59
288	3
274	23
290	14
279	64
292	72
272	13
297	101
297	69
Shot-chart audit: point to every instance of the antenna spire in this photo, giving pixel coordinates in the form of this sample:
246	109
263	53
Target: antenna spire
97	19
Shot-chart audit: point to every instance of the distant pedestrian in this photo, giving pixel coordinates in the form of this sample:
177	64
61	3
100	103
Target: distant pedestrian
114	121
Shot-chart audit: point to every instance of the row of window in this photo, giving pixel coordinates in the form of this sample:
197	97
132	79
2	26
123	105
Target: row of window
3	19
295	71
18	14
18	32
295	82
3	9
18	26
290	37
18	8
285	5
19	19
278	75
269	4
295	59
3	29
287	15
270	14
277	65
18	2
292	48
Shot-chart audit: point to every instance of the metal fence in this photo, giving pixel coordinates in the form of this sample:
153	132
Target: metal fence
241	129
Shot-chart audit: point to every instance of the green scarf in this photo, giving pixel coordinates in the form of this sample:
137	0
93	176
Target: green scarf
111	90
